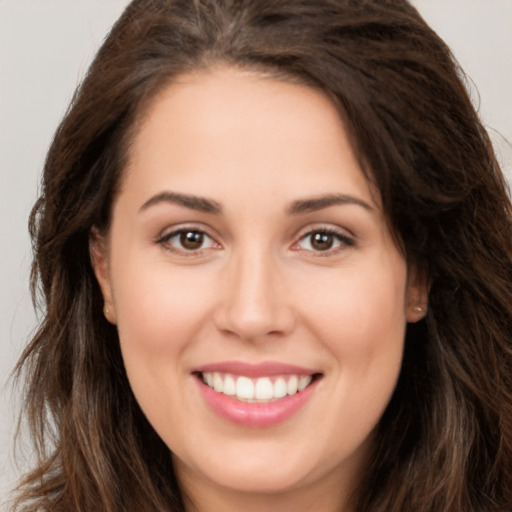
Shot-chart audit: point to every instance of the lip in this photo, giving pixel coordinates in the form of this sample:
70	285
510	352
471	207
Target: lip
256	415
264	369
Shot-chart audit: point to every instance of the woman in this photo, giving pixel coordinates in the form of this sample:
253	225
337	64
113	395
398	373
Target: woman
274	248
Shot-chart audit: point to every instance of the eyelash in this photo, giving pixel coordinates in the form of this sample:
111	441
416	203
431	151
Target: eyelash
341	238
164	241
344	241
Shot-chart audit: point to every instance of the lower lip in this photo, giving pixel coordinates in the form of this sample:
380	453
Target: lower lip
256	414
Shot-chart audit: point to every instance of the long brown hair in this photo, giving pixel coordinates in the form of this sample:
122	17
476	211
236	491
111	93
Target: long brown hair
445	440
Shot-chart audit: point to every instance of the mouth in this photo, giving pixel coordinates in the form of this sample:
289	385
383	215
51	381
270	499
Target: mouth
256	396
257	390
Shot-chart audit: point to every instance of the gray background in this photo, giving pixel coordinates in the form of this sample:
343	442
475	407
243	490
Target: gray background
45	47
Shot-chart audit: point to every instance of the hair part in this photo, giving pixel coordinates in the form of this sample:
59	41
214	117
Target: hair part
445	440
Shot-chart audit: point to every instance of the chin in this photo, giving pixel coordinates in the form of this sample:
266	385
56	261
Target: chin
271	481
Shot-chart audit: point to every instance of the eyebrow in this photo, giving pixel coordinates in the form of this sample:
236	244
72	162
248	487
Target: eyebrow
206	205
319	203
201	204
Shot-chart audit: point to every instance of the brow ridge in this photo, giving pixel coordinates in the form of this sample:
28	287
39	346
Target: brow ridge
193	202
319	203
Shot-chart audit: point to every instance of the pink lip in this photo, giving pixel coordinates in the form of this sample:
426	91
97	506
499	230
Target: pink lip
255	414
264	369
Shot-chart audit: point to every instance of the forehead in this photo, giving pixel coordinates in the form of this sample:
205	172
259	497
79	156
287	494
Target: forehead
241	127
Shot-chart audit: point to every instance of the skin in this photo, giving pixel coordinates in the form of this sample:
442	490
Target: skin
257	289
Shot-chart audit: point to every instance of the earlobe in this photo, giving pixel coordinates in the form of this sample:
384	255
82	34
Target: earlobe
416	313
98	250
417	297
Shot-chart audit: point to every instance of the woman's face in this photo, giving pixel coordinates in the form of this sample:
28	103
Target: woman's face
249	258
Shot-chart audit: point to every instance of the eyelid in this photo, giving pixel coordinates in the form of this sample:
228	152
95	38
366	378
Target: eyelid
345	237
163	239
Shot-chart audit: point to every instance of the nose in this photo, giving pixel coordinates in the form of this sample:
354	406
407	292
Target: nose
254	302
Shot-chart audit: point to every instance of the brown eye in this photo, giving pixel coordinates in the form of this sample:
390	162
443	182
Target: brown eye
185	241
322	241
325	240
191	240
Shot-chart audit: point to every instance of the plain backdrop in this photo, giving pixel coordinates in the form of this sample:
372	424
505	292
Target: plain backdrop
46	46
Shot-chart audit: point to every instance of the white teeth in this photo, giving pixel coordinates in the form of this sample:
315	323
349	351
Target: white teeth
280	388
263	389
292	386
244	388
218	382
229	386
304	382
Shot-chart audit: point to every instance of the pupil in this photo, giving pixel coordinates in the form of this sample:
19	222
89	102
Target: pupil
191	239
322	241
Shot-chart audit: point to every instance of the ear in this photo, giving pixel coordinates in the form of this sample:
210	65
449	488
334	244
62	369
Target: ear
416	306
98	251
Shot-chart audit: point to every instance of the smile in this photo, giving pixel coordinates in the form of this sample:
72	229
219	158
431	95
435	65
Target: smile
256	390
256	395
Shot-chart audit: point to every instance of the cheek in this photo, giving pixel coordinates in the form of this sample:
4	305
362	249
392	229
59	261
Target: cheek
159	308
362	324
360	313
160	311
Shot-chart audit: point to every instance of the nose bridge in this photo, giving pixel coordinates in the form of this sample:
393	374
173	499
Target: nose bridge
254	304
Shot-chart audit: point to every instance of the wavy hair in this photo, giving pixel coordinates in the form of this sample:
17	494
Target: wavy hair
445	440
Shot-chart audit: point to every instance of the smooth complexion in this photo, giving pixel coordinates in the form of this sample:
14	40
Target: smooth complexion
246	237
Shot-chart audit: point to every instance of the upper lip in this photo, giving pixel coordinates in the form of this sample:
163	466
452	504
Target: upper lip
263	369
